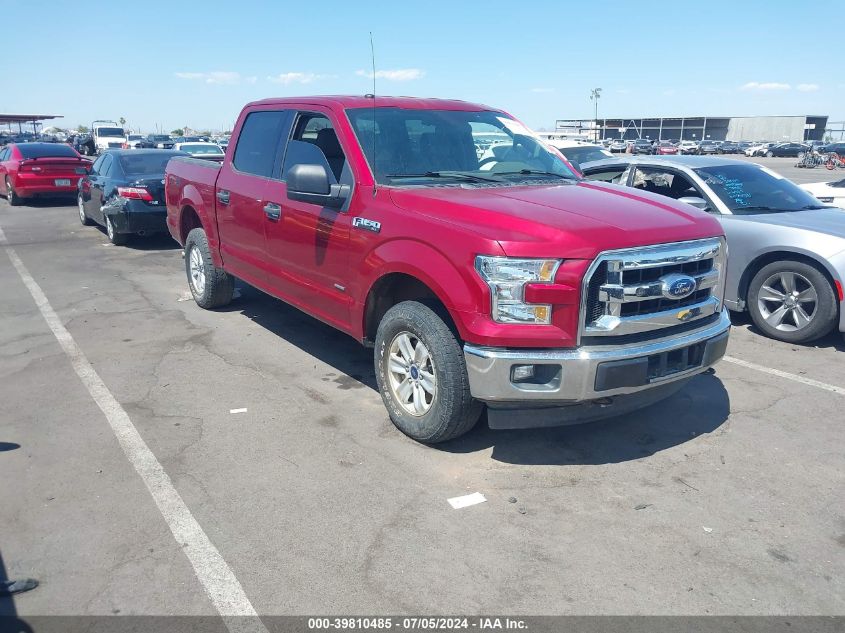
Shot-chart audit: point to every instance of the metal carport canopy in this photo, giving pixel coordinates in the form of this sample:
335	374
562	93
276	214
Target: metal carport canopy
27	118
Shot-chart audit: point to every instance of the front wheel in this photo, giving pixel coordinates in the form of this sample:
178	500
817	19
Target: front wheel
769	154
792	301
211	287
422	375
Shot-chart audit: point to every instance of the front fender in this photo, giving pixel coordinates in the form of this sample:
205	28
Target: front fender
454	283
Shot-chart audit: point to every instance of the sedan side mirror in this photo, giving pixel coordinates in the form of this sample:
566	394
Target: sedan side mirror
310	183
695	201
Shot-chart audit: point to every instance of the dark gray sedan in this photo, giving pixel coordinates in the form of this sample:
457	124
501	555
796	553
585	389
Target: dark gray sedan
787	249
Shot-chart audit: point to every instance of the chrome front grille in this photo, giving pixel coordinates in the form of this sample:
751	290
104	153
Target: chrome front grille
651	288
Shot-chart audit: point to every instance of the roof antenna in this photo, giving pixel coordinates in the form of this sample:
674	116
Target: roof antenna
373	58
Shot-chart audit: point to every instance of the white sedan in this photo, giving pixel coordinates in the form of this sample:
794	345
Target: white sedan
828	192
205	151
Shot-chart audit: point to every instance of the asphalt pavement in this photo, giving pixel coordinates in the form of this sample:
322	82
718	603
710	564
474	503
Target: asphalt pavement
724	499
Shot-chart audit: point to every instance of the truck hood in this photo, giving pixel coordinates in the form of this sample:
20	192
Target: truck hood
574	220
825	221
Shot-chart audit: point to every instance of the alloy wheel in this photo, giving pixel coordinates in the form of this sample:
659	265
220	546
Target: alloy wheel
411	374
197	271
82	216
787	301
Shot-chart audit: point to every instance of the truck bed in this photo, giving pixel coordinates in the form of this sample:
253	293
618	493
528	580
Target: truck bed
189	182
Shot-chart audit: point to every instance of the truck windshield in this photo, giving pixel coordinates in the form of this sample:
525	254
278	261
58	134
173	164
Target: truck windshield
407	146
110	131
748	189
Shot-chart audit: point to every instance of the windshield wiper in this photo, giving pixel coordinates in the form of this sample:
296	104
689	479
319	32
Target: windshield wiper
535	172
459	175
808	207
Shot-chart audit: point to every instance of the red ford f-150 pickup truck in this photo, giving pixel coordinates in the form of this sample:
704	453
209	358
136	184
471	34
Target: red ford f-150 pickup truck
473	258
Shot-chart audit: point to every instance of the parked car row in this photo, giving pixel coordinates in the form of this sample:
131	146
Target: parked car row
483	274
714	147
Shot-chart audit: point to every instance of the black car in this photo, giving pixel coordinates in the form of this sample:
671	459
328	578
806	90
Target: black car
838	148
642	146
787	149
729	147
124	192
156	141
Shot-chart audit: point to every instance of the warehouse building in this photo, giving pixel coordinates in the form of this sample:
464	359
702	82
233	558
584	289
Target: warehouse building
752	128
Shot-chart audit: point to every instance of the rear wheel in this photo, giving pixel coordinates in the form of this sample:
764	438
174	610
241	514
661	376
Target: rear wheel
118	239
14	199
211	287
422	376
83	217
792	301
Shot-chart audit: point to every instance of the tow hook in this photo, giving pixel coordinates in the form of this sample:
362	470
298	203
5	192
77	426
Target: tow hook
602	402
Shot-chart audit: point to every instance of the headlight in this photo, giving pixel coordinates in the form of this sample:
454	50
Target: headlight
507	277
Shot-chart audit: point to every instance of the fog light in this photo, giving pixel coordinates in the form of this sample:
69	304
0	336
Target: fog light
522	373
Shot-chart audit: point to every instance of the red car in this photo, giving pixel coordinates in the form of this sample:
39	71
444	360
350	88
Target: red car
666	148
28	170
482	273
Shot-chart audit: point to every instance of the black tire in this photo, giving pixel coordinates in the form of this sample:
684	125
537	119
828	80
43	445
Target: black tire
823	311
452	411
218	286
118	239
14	199
83	216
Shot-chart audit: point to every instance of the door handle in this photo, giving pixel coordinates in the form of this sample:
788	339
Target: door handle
273	211
223	196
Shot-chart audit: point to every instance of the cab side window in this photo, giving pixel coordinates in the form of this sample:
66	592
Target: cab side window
315	140
258	142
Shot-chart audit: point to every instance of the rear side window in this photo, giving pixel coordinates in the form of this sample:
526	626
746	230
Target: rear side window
258	142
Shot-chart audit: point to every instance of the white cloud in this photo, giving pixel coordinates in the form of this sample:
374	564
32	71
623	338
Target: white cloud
542	90
398	74
807	87
297	78
214	77
772	85
251	80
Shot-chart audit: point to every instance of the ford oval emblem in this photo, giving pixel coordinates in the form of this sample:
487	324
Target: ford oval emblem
677	286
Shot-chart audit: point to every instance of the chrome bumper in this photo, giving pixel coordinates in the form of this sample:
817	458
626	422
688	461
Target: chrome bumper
593	372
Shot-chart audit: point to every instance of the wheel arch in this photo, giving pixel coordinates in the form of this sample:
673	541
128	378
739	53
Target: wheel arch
764	259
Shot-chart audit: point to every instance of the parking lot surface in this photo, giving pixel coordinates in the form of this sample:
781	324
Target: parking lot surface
724	499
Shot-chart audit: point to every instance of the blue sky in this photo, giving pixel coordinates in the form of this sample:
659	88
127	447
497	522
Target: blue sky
197	62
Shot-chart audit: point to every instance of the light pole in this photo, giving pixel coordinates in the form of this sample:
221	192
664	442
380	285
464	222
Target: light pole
595	93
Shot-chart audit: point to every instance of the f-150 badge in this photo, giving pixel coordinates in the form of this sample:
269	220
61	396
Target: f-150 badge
367	225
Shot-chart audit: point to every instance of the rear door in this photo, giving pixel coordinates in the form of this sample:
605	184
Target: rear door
307	246
240	190
98	181
4	156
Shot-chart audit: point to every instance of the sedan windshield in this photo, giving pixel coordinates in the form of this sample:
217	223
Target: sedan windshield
747	189
406	146
585	153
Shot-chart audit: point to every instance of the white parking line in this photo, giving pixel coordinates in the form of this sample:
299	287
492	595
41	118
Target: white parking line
218	579
787	375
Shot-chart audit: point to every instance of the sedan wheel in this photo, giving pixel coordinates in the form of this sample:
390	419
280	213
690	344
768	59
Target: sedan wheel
118	239
83	217
769	154
792	301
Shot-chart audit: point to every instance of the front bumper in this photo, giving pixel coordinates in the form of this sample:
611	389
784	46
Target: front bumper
596	372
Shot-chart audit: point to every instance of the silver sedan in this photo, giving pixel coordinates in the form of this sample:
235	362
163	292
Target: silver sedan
787	249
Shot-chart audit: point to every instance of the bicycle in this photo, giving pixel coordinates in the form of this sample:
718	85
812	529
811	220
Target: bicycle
810	159
833	160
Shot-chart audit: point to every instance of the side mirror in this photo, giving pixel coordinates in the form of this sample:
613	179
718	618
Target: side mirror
310	183
695	201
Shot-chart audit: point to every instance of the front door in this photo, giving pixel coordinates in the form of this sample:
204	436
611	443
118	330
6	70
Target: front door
307	247
240	195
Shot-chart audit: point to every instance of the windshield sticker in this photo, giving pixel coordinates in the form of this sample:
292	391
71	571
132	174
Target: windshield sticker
733	188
